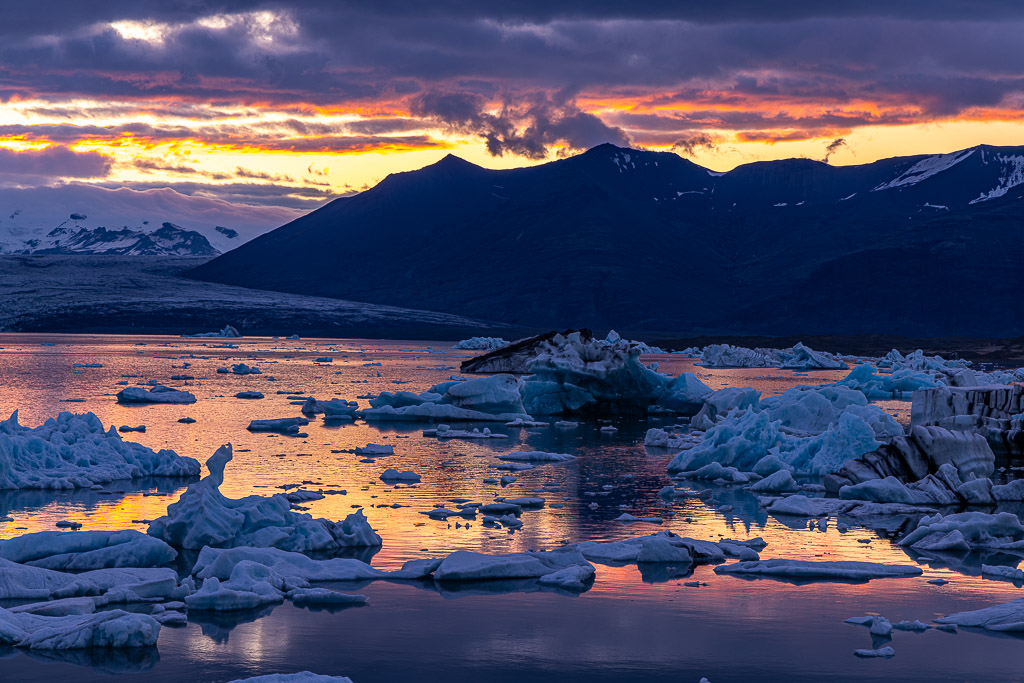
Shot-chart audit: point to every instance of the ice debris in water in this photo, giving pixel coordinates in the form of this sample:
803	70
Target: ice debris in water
824	570
156	394
74	451
203	516
481	344
391	474
300	677
799	357
1008	616
87	550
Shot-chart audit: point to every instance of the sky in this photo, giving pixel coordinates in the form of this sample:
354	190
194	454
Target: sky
291	103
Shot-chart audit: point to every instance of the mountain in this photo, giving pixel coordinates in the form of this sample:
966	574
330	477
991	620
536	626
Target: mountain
167	240
929	245
124	220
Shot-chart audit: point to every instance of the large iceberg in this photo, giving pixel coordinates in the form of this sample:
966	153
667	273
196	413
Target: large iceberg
494	398
809	429
574	373
74	451
203	516
101	630
481	344
899	385
799	357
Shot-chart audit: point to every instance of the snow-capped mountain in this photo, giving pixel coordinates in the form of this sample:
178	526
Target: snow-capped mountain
167	240
79	218
927	245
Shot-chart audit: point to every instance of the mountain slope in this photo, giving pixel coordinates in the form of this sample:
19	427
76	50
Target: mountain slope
649	241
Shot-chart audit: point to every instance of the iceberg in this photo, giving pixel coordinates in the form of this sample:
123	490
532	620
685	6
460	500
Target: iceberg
824	570
203	516
967	531
799	357
157	394
1008	616
481	344
494	398
87	550
73	451
102	630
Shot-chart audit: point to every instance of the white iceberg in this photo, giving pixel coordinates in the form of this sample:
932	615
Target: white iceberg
156	394
73	451
87	550
824	570
203	516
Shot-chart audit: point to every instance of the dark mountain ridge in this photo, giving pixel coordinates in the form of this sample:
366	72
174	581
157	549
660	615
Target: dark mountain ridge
929	245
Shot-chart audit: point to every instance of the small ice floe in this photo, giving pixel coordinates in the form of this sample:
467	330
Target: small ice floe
966	531
87	365
227	331
187	420
520	422
878	626
157	394
203	516
660	438
375	449
1011	573
564	569
1008	616
938	582
324	359
334	410
284	425
240	369
527	503
507	479
609	429
393	475
566	424
249	394
627	518
914	626
444	431
129	428
824	570
65	524
886	651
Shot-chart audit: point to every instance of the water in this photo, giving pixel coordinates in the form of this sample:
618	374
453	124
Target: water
631	625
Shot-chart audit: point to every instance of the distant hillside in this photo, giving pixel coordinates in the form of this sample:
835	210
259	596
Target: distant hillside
636	240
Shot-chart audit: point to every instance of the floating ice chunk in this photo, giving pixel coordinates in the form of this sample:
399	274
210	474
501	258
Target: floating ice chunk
650	548
156	394
879	626
240	369
825	570
375	449
659	438
203	516
463	565
336	409
886	651
284	425
899	385
227	331
298	568
481	344
391	474
1012	573
967	531
915	626
87	550
1008	616
21	582
627	518
74	451
249	395
101	630
445	432
799	357
778	482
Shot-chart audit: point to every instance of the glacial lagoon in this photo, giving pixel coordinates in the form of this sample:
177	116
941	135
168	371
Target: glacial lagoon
635	622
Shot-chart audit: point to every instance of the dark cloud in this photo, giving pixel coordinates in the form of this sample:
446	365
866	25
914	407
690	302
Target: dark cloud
833	147
691	142
51	163
526	128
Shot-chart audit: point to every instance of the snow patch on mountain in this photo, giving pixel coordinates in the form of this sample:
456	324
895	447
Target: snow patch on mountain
1012	175
926	168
